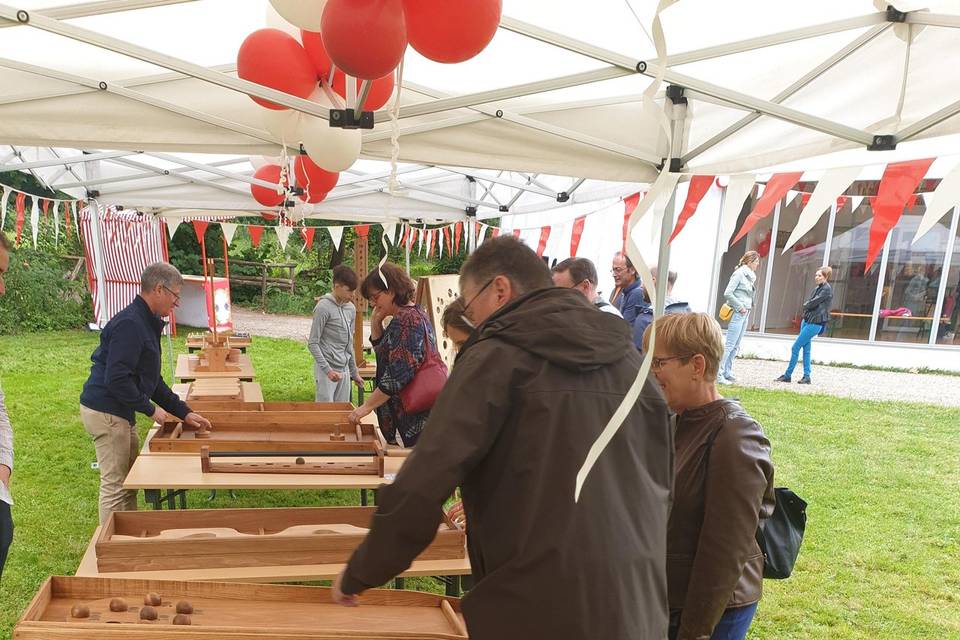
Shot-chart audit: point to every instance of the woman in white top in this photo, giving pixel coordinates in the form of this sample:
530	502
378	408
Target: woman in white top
739	294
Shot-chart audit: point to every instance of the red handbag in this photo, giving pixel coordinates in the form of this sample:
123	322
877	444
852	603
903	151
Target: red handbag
420	394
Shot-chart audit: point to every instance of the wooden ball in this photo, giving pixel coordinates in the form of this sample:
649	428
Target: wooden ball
300	461
80	611
148	613
181	618
184	606
153	599
118	604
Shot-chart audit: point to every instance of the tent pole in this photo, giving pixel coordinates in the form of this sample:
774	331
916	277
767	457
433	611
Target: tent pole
663	257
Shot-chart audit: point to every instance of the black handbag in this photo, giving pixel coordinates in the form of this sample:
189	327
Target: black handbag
781	535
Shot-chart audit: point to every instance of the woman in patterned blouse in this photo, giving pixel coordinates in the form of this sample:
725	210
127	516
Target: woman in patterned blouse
400	349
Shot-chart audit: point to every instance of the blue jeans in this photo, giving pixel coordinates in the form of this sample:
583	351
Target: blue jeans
733	625
6	533
808	332
735	330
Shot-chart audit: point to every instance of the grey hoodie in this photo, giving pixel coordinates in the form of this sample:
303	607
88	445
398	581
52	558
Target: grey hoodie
331	335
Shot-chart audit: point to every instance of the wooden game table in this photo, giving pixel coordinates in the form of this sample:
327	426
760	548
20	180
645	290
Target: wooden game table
250	391
186	369
449	571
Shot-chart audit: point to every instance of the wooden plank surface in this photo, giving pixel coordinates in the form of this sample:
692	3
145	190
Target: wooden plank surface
186	369
182	471
249	391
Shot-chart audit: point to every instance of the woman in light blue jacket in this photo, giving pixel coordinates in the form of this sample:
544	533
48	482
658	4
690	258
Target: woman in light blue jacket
739	294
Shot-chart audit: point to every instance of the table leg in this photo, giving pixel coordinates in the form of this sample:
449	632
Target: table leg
152	496
453	586
398	583
363	497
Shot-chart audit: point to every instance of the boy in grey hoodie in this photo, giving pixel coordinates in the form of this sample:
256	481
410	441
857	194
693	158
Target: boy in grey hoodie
331	339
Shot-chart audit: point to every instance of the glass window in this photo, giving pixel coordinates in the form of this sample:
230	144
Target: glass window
792	279
854	288
759	239
912	280
950	315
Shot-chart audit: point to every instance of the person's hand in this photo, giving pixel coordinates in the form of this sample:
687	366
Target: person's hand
338	596
5	475
334	376
743	311
197	421
359	414
377	316
160	416
357	380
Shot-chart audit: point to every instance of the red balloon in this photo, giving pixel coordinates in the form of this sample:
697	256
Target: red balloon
379	94
316	182
365	38
263	195
268	216
275	59
313	45
451	31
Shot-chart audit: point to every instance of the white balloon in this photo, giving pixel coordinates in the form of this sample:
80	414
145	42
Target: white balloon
275	21
331	148
305	14
283	124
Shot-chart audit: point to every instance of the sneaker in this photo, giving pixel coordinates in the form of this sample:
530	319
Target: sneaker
782	379
730	378
722	380
804	380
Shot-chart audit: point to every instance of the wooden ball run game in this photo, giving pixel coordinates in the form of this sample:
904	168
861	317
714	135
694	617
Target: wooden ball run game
334	458
219	538
118	609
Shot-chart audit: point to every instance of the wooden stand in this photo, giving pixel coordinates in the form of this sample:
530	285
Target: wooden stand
228	610
334	458
218	538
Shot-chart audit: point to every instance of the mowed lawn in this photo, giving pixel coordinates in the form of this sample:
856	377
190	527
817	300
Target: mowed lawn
881	559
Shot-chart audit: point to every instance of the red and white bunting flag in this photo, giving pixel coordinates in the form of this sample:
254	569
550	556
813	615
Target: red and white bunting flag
481	233
448	240
20	205
457	231
336	234
737	192
34	220
829	188
544	237
941	201
256	232
3	208
494	232
229	230
699	185
576	234
900	180
307	233
283	234
629	204
777	186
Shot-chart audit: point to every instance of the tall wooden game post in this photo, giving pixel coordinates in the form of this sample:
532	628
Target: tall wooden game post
216	351
361	255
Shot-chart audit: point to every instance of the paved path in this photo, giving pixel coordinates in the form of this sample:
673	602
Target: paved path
278	326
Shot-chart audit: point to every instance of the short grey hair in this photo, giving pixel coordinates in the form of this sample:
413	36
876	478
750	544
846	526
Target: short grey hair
160	274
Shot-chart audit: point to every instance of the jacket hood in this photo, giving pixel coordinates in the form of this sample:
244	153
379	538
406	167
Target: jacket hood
560	326
328	298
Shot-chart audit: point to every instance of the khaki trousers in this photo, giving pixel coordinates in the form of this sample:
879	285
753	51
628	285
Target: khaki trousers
117	445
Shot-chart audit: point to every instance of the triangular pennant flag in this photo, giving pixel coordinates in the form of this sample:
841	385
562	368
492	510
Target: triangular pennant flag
20	205
855	202
841	202
429	235
494	232
34	220
777	186
3	208
229	229
73	209
336	234
942	200
200	228
804	199
56	222
405	242
420	239
255	231
699	185
899	181
172	225
457	231
446	236
390	231
629	204
307	234
576	235
45	204
516	233
544	236
737	192
911	202
833	183
439	244
283	234
481	233
362	230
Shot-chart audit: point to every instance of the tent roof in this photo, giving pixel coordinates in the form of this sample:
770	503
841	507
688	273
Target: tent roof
557	91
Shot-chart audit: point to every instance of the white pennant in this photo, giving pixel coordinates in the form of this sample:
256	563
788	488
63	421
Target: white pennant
35	219
228	229
76	220
336	234
945	197
172	224
3	208
56	222
283	234
855	202
830	187
420	235
481	234
440	242
390	231
737	192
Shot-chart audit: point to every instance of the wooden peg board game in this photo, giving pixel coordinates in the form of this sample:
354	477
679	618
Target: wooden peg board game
218	538
324	458
192	367
235	340
434	293
221	610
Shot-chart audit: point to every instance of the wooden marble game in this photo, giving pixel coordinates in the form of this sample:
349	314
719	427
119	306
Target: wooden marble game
218	538
118	609
234	340
434	293
333	458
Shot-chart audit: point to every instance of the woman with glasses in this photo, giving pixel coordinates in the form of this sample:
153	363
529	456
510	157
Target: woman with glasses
739	294
723	486
401	348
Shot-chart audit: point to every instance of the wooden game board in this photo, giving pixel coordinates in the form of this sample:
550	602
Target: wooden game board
326	458
218	538
221	610
234	340
190	367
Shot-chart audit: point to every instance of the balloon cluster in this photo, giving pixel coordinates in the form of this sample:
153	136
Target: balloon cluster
316	43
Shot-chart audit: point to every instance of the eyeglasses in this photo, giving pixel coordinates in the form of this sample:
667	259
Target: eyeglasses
657	363
176	296
463	314
617	270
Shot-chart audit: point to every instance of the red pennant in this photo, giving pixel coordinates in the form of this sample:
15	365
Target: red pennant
842	200
899	181
406	236
516	233
45	205
457	231
255	232
576	235
804	199
363	230
698	188
21	203
66	214
911	202
495	231
544	236
200	228
446	236
629	204
431	240
777	187
307	233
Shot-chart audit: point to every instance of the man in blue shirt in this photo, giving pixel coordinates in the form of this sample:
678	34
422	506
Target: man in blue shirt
629	300
125	380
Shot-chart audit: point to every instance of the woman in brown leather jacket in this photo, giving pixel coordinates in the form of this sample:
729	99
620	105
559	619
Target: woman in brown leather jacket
723	487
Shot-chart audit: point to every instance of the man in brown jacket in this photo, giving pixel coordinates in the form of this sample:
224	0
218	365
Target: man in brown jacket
532	389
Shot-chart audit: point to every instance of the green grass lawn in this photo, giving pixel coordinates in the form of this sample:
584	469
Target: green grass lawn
880	560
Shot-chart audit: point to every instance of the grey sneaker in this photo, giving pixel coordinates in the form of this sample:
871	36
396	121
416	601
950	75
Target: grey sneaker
722	380
730	378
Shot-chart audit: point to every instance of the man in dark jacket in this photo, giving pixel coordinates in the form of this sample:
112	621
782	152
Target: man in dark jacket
531	392
671	305
125	380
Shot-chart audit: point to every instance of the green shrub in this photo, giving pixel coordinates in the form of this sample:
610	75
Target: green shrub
39	297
